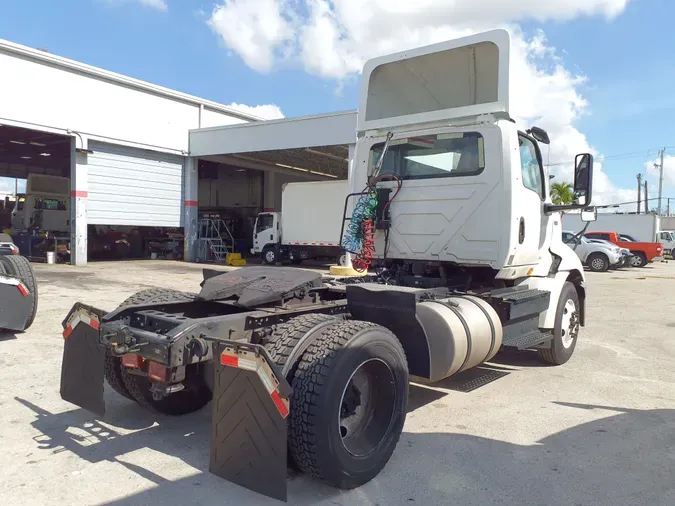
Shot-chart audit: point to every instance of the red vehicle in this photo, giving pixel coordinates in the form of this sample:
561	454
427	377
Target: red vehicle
643	252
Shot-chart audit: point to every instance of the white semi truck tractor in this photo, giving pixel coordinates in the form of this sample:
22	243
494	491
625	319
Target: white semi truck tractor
449	213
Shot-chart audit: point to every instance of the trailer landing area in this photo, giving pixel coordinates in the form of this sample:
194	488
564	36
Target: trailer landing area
594	431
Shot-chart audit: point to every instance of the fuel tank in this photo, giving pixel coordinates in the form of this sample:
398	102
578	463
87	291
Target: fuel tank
462	332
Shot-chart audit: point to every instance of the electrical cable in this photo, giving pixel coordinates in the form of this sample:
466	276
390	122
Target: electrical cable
359	236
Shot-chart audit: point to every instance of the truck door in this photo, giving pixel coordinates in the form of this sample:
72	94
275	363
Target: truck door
265	231
529	194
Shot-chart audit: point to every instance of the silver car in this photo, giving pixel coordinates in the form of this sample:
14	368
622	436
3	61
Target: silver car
598	257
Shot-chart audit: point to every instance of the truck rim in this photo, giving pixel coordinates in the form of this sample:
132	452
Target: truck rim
269	256
569	327
367	407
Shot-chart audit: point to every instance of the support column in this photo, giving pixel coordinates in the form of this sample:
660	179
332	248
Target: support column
78	204
269	191
190	208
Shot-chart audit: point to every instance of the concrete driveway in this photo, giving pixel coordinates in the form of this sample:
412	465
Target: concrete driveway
599	430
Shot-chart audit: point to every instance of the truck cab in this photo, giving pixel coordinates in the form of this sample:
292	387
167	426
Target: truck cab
45	205
267	235
667	240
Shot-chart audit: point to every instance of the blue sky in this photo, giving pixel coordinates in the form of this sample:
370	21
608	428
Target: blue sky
626	57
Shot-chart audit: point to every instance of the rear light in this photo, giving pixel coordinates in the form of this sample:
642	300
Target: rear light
157	372
14	249
132	361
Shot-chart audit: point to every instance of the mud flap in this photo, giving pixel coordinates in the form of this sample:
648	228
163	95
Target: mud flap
83	365
249	411
16	303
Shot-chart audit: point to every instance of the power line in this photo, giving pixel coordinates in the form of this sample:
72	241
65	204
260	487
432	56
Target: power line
634	154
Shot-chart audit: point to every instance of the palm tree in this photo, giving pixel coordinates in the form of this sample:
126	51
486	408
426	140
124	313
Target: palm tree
562	193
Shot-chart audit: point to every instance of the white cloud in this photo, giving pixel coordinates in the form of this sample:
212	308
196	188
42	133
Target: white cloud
266	111
256	31
668	170
160	5
332	39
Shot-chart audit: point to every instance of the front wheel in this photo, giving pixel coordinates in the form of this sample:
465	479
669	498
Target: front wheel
270	256
350	396
566	329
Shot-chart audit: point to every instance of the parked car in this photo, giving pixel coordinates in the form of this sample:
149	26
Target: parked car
644	252
627	259
596	256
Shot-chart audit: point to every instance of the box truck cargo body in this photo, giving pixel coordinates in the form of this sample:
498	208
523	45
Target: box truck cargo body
308	226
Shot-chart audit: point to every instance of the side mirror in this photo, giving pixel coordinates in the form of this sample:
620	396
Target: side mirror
583	177
539	134
589	215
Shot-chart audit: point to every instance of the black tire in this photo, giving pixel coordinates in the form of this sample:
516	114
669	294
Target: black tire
115	374
286	337
318	438
269	256
598	262
19	266
152	295
194	397
564	339
640	259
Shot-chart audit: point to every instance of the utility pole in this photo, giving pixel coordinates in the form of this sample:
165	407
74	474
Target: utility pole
646	199
661	181
668	208
639	178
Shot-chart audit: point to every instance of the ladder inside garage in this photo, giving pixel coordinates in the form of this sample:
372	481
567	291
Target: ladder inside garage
215	240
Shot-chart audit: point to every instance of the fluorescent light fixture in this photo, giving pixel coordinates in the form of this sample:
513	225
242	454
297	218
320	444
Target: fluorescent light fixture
37	144
45	154
241	170
305	170
17	142
26	157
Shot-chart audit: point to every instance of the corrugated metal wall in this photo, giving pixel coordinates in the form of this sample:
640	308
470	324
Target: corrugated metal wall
133	187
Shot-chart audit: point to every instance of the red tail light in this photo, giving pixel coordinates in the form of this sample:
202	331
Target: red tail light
157	372
132	361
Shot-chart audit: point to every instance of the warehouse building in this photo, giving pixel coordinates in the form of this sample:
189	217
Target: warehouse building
153	163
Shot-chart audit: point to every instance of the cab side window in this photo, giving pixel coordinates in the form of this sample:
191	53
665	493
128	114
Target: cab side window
529	164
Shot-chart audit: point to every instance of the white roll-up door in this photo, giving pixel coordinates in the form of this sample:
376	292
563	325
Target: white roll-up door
130	186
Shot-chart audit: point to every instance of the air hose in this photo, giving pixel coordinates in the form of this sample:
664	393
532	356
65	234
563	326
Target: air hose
359	237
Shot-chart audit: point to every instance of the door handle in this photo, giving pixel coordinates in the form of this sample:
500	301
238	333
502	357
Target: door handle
271	236
521	231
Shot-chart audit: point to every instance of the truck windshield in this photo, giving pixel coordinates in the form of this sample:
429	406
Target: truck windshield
431	156
264	222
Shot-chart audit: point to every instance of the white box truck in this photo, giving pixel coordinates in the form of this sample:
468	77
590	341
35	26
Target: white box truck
308	226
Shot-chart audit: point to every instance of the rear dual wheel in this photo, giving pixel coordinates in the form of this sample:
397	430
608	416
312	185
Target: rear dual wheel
350	396
135	387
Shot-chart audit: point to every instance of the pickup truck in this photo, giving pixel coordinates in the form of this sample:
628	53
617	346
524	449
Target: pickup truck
644	252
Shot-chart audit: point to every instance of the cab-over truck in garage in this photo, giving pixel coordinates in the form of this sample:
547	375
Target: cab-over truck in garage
451	213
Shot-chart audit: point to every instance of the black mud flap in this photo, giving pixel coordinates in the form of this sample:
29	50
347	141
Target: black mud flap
250	407
16	303
83	364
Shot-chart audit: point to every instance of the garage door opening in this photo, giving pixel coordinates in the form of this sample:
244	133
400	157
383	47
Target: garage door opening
238	191
35	190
